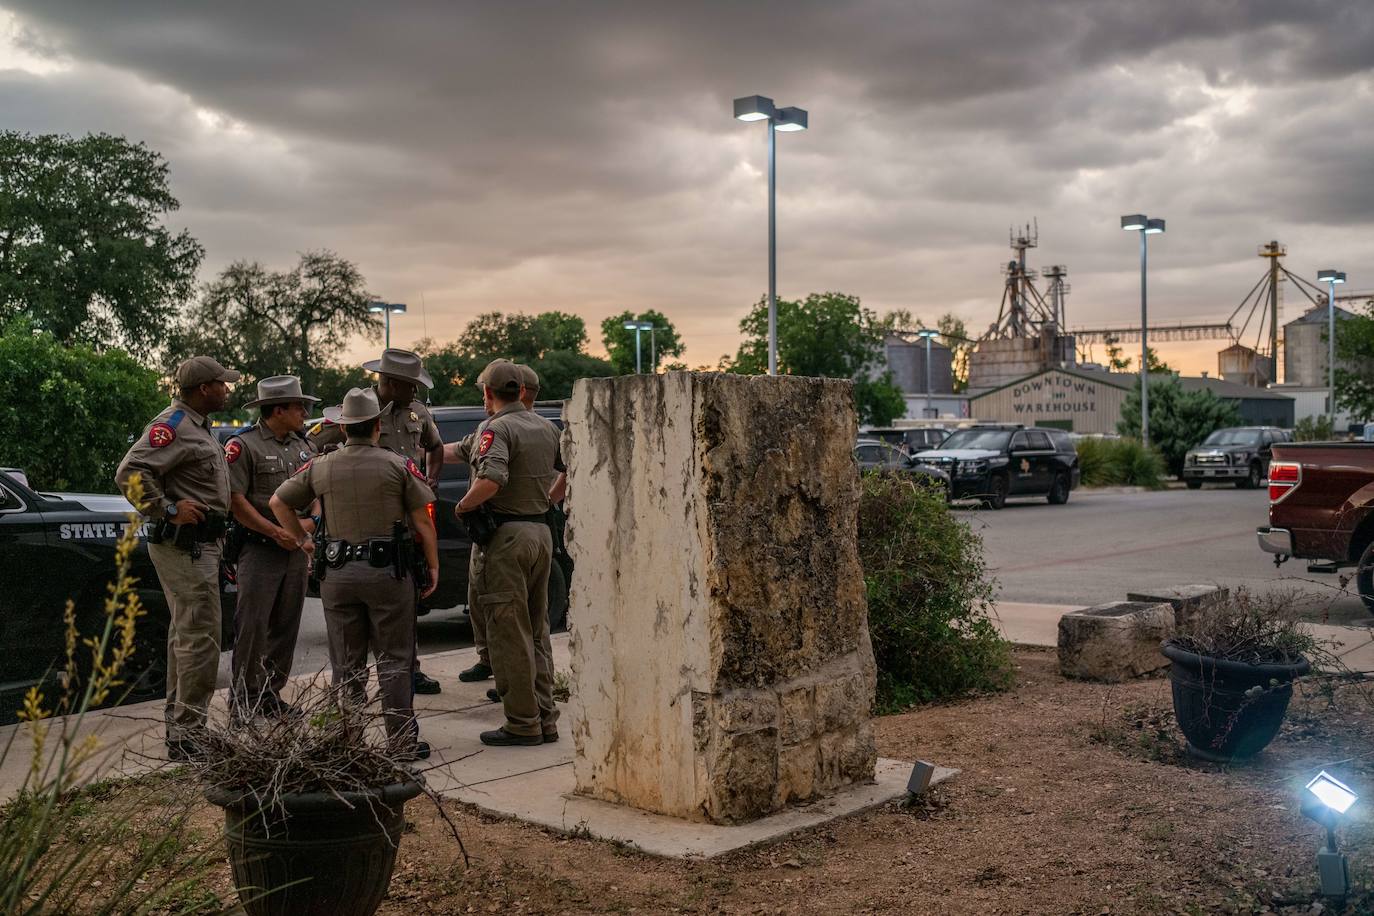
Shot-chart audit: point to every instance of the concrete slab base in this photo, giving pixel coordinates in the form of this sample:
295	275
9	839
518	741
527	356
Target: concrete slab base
545	797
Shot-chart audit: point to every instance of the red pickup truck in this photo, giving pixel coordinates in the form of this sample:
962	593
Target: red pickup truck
1321	508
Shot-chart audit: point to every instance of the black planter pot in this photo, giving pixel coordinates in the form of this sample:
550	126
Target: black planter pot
316	855
1213	711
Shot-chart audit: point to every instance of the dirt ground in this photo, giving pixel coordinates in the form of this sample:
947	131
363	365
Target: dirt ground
1073	799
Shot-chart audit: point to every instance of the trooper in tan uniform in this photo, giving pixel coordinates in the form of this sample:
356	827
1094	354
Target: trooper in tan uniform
186	494
272	569
515	455
367	493
408	428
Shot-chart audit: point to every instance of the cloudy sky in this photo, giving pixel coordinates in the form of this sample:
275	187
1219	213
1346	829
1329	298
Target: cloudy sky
582	156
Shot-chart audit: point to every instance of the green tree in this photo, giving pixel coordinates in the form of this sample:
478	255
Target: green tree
264	323
1355	362
522	338
84	254
830	335
1179	419
71	410
1117	361
620	341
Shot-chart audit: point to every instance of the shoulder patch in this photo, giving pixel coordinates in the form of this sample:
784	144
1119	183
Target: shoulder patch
487	438
232	450
161	435
303	467
176	417
414	468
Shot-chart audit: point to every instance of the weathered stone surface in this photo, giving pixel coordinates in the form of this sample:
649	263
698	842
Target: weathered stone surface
1114	642
1188	601
720	633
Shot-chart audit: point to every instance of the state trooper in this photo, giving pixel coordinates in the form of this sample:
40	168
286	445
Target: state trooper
272	569
371	499
186	495
515	454
408	428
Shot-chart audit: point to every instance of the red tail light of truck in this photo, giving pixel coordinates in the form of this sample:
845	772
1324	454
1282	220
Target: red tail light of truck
1284	477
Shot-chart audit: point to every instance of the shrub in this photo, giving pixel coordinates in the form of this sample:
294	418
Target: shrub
1314	429
1258	629
1179	419
929	597
1119	462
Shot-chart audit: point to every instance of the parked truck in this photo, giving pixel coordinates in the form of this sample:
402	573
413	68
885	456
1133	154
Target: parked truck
1321	509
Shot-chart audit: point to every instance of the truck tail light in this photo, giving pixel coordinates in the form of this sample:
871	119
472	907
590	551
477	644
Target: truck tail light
1284	477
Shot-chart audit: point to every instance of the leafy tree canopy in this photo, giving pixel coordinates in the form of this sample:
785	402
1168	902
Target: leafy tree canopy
522	338
1355	362
1179	419
84	254
830	335
264	322
654	345
93	401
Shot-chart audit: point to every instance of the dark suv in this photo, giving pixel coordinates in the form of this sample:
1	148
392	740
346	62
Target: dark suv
993	462
454	546
1240	454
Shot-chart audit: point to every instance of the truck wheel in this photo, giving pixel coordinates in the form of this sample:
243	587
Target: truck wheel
558	598
1059	490
1251	481
1194	484
1364	576
998	497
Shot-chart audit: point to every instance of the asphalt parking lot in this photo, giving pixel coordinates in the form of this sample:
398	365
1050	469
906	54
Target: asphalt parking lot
1101	545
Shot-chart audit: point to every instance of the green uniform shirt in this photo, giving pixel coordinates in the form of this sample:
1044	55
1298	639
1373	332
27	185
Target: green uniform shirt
177	457
364	490
518	451
259	462
409	430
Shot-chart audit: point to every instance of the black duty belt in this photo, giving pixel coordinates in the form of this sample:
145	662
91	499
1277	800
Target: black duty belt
502	518
378	552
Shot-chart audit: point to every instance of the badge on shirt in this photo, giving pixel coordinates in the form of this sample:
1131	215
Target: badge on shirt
232	450
414	416
487	438
305	456
160	434
414	468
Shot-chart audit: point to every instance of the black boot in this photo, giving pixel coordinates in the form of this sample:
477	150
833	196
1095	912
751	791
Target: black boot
478	672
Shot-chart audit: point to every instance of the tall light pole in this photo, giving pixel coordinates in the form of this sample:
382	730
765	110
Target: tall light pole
638	326
653	346
929	335
387	308
761	108
1332	277
1145	226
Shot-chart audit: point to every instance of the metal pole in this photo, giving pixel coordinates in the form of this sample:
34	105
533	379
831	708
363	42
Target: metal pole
1144	353
653	349
638	370
927	375
1331	351
772	251
388	327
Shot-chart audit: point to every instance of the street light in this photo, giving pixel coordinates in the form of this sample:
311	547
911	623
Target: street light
1332	277
761	108
1145	226
1326	801
638	326
387	308
929	335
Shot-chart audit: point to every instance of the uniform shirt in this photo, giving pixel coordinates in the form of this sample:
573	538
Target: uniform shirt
178	458
259	462
408	430
518	451
364	489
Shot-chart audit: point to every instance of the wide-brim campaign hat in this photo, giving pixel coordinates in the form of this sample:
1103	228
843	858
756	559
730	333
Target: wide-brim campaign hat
359	406
278	389
402	364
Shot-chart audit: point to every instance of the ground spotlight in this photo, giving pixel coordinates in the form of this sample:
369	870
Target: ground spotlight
1326	800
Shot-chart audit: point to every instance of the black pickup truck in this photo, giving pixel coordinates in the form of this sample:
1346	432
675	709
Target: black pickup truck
56	546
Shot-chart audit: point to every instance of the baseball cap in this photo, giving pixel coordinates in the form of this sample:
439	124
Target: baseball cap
503	377
198	370
528	377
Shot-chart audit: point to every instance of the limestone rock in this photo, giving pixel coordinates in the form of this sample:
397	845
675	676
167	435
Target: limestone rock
1114	642
1188	601
720	633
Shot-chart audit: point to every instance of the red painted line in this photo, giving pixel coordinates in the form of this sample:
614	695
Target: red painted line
1209	539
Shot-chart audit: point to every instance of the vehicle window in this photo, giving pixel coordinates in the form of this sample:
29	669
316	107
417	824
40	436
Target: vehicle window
867	453
992	439
454	431
8	501
893	458
1249	437
1019	441
1061	441
1038	440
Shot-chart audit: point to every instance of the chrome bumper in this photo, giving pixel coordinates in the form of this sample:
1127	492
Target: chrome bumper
1275	540
1215	471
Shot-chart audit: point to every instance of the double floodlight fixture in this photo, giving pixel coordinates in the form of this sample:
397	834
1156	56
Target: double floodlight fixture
1326	800
1139	221
395	308
639	326
761	108
1331	276
927	333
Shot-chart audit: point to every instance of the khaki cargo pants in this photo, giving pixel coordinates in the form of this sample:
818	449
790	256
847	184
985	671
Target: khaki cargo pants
191	587
513	595
267	619
366	608
475	615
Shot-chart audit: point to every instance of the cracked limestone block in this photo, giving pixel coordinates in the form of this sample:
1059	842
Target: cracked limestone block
1114	642
720	650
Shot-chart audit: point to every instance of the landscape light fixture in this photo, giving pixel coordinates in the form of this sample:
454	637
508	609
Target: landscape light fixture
919	781
1332	277
1326	800
761	108
638	326
388	309
1139	222
929	335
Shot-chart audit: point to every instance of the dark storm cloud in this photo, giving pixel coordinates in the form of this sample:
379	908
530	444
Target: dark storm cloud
582	156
